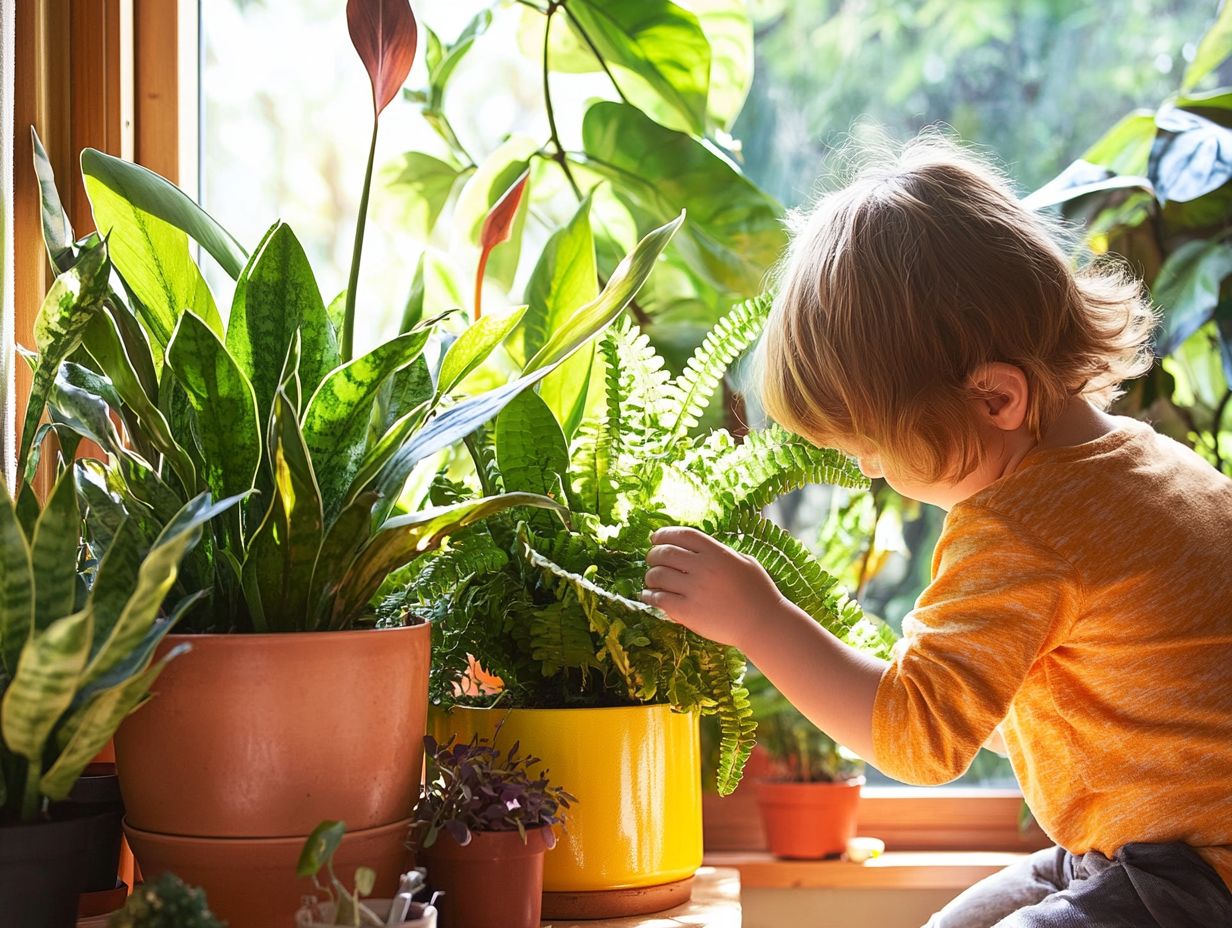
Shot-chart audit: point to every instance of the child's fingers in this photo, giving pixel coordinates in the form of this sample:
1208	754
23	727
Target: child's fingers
665	578
669	556
682	537
662	599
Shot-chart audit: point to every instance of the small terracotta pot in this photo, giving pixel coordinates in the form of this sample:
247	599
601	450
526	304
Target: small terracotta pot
265	736
251	882
809	820
495	881
102	901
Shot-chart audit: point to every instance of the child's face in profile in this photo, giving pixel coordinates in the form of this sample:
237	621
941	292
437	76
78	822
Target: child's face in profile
944	493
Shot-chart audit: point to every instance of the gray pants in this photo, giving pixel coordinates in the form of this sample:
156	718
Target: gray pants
1141	886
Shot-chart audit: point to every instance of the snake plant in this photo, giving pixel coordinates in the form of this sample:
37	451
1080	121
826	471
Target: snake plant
552	610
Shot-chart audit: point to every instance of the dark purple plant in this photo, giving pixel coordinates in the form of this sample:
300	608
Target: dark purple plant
473	787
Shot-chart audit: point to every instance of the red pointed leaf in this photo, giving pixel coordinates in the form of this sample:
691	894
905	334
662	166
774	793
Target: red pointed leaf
497	227
385	35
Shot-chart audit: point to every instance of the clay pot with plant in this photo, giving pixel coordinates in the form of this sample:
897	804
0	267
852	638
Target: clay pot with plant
483	826
809	803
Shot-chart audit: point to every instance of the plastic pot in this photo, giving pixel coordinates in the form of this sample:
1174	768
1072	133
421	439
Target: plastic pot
264	736
808	820
41	870
96	795
495	881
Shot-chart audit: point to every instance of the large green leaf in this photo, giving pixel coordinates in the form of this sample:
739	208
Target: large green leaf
223	403
75	297
1187	290
1212	51
400	540
1126	147
473	346
530	448
284	548
729	31
150	253
57	230
426	183
53	553
661	43
16	585
732	238
337	415
344	539
148	193
155	578
276	297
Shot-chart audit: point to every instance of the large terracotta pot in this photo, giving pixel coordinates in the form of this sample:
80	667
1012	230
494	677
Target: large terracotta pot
809	820
495	881
636	772
251	882
264	736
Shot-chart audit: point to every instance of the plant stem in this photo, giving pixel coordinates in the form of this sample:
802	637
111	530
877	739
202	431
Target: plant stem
479	272
31	799
595	51
559	155
348	321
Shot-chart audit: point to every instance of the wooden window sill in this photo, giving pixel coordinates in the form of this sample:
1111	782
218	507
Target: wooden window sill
715	904
949	870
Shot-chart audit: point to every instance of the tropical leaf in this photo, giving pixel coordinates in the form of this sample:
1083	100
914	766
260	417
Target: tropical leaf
474	345
16	585
57	230
384	33
530	449
1212	50
54	553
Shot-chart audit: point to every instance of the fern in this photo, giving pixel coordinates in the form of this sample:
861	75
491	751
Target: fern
722	671
704	371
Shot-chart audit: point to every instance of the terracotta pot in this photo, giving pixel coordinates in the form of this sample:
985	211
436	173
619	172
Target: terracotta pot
495	881
251	882
809	820
101	902
636	772
264	736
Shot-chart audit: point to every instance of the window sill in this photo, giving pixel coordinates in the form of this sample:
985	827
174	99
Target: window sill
948	870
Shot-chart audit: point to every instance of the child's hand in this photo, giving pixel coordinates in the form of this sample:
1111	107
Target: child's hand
707	587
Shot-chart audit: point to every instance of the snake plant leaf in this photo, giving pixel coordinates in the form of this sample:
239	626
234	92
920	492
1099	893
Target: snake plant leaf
16	585
91	726
53	553
42	689
155	578
276	297
104	511
406	390
474	345
530	448
224	405
57	230
336	419
343	541
102	341
400	540
730	240
151	195
564	279
660	42
150	252
384	33
283	550
595	316
115	580
73	299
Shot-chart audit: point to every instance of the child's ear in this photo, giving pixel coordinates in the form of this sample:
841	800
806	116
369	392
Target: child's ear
1000	394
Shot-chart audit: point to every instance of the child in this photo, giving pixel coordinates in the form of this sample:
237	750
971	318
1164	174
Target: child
1081	601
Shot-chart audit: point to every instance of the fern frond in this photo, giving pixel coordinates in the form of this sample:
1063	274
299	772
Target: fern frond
638	381
769	463
704	371
793	568
721	670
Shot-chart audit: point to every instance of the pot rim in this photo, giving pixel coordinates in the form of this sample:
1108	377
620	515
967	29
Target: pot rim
849	783
659	706
266	637
293	840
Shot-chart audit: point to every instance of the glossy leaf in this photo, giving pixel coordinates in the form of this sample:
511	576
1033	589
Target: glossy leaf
1126	147
729	31
16	585
336	418
474	345
1191	156
408	389
150	253
223	404
57	230
660	42
1187	290
384	34
73	300
151	195
343	540
276	297
497	228
730	239
53	553
426	183
319	848
1213	49
442	60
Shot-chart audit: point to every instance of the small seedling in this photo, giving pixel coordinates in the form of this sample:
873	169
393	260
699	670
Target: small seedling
318	855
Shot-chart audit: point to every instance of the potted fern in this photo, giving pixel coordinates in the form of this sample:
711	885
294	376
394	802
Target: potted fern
809	800
227	772
590	679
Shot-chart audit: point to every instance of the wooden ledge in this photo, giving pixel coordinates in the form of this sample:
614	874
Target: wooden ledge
715	904
954	870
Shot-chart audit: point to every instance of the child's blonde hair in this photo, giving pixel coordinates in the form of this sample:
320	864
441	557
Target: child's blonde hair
897	287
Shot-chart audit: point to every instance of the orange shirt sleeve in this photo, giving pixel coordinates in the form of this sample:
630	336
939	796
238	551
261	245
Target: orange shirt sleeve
998	599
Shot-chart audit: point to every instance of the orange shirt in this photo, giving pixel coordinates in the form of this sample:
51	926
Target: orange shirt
1084	603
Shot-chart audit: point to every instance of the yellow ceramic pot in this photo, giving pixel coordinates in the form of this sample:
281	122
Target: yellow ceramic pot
636	772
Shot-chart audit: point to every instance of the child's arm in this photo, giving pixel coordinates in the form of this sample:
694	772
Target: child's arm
728	597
